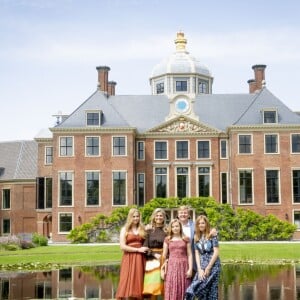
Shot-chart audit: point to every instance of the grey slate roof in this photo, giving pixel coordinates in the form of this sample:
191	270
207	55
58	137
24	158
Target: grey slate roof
144	112
18	160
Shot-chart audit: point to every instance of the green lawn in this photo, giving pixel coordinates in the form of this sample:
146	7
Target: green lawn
66	255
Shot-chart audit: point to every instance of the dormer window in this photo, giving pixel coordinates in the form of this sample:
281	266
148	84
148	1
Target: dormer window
181	85
270	116
93	118
160	88
203	87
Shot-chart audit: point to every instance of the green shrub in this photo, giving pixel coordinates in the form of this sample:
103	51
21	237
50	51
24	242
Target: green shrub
11	247
39	240
240	224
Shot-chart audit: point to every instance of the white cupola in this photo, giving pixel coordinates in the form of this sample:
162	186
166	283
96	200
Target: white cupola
181	73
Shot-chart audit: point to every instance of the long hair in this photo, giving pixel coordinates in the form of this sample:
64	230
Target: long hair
170	233
152	218
129	222
199	233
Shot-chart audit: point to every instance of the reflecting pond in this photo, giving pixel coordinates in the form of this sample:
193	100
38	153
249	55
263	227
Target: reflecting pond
237	282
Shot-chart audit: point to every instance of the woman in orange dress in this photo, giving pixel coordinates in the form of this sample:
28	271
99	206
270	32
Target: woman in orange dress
132	269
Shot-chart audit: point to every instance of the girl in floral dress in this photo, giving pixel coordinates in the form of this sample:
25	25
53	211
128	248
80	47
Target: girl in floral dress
177	251
205	283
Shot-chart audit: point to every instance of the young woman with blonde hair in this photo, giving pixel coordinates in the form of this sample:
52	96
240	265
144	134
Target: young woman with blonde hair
132	269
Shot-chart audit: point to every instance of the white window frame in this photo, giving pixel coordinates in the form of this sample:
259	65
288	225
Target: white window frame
99	187
176	152
279	186
278	144
197	146
167	149
85	146
112	146
238	143
59	187
239	194
58	221
73	150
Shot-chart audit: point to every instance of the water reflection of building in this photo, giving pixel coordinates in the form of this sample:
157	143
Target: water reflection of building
181	140
269	283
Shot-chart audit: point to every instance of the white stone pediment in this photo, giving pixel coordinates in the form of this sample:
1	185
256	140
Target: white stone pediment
184	125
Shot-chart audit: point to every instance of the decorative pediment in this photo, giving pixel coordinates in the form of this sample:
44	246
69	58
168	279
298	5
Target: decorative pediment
183	125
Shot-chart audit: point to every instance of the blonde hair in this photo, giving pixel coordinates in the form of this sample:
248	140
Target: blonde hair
198	233
184	207
128	224
170	233
152	218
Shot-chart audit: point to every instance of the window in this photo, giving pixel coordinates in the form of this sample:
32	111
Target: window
48	155
245	144
66	146
203	149
272	186
270	116
140	189
6	199
42	290
65	222
65	188
92	146
224	188
181	86
93	118
182	176
296	186
119	145
5	289
160	88
297	219
223	148
65	284
44	192
182	149
295	143
271	143
161	182
140	150
160	150
119	188
202	88
92	188
203	181
245	187
6	226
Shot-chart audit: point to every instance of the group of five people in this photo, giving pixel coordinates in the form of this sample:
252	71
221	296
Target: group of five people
160	259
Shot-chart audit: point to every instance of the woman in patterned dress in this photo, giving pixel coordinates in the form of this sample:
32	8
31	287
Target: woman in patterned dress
132	269
177	249
156	233
205	283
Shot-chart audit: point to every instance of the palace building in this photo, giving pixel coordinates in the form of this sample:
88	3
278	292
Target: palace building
181	141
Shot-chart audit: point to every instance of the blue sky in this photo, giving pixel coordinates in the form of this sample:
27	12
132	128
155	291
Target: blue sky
50	49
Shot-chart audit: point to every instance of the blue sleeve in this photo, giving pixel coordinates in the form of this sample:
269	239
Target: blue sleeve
215	241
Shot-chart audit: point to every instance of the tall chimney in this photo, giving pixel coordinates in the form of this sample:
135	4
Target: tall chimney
103	78
111	88
258	82
259	75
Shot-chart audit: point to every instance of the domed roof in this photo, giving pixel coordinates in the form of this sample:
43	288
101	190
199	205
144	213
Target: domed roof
180	62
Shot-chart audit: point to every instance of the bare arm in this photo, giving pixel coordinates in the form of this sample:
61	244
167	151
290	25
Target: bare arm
165	251
127	248
190	260
212	261
213	232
